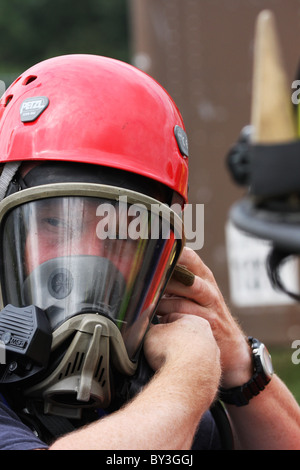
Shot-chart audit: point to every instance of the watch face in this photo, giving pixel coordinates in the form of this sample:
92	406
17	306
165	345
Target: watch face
266	361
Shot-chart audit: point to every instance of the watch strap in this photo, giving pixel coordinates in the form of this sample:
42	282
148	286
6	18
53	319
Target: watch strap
241	395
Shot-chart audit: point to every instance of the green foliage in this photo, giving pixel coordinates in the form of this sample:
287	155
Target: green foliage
34	30
287	371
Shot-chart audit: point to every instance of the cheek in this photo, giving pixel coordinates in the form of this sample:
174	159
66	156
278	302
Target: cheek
32	253
122	254
39	249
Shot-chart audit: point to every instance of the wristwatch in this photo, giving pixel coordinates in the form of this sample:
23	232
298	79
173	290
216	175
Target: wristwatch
263	371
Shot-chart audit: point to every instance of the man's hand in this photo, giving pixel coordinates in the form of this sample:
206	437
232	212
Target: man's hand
205	300
186	342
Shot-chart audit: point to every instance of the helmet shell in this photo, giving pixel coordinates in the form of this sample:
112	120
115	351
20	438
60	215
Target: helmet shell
101	111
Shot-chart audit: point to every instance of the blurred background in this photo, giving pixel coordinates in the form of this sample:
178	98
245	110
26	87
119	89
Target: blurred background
201	51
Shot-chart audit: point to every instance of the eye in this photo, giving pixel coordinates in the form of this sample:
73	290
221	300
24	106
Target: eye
55	225
53	221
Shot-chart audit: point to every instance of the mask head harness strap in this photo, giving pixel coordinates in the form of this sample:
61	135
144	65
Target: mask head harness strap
8	173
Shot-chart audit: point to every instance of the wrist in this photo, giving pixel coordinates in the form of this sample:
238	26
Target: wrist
239	369
199	379
261	376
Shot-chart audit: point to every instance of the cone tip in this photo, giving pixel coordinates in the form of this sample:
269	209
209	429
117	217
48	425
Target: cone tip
272	115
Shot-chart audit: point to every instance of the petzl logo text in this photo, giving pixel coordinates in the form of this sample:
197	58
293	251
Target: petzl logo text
31	108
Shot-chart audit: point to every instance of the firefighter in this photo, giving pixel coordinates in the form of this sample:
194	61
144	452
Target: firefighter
106	348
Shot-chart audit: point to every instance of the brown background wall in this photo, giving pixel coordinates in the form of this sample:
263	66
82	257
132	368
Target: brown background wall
201	52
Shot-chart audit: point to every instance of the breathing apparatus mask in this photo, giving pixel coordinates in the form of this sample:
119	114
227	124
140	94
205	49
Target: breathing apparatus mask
83	267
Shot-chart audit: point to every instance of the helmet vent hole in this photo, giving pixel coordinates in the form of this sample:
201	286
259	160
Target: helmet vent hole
8	100
29	79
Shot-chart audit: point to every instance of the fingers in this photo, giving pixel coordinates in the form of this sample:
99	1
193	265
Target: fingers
194	263
171	304
170	315
203	298
178	337
202	291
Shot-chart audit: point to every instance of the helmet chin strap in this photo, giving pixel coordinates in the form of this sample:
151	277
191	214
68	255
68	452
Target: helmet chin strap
82	378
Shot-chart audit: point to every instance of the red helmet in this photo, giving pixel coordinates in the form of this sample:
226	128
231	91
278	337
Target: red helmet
96	110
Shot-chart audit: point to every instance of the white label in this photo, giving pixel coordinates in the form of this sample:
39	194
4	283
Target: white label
248	277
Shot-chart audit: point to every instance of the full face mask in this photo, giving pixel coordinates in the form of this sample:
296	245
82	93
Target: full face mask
83	267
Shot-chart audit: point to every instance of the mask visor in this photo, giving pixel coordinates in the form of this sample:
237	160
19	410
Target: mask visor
82	248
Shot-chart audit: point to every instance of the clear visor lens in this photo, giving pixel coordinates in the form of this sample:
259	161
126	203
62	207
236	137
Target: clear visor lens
74	254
